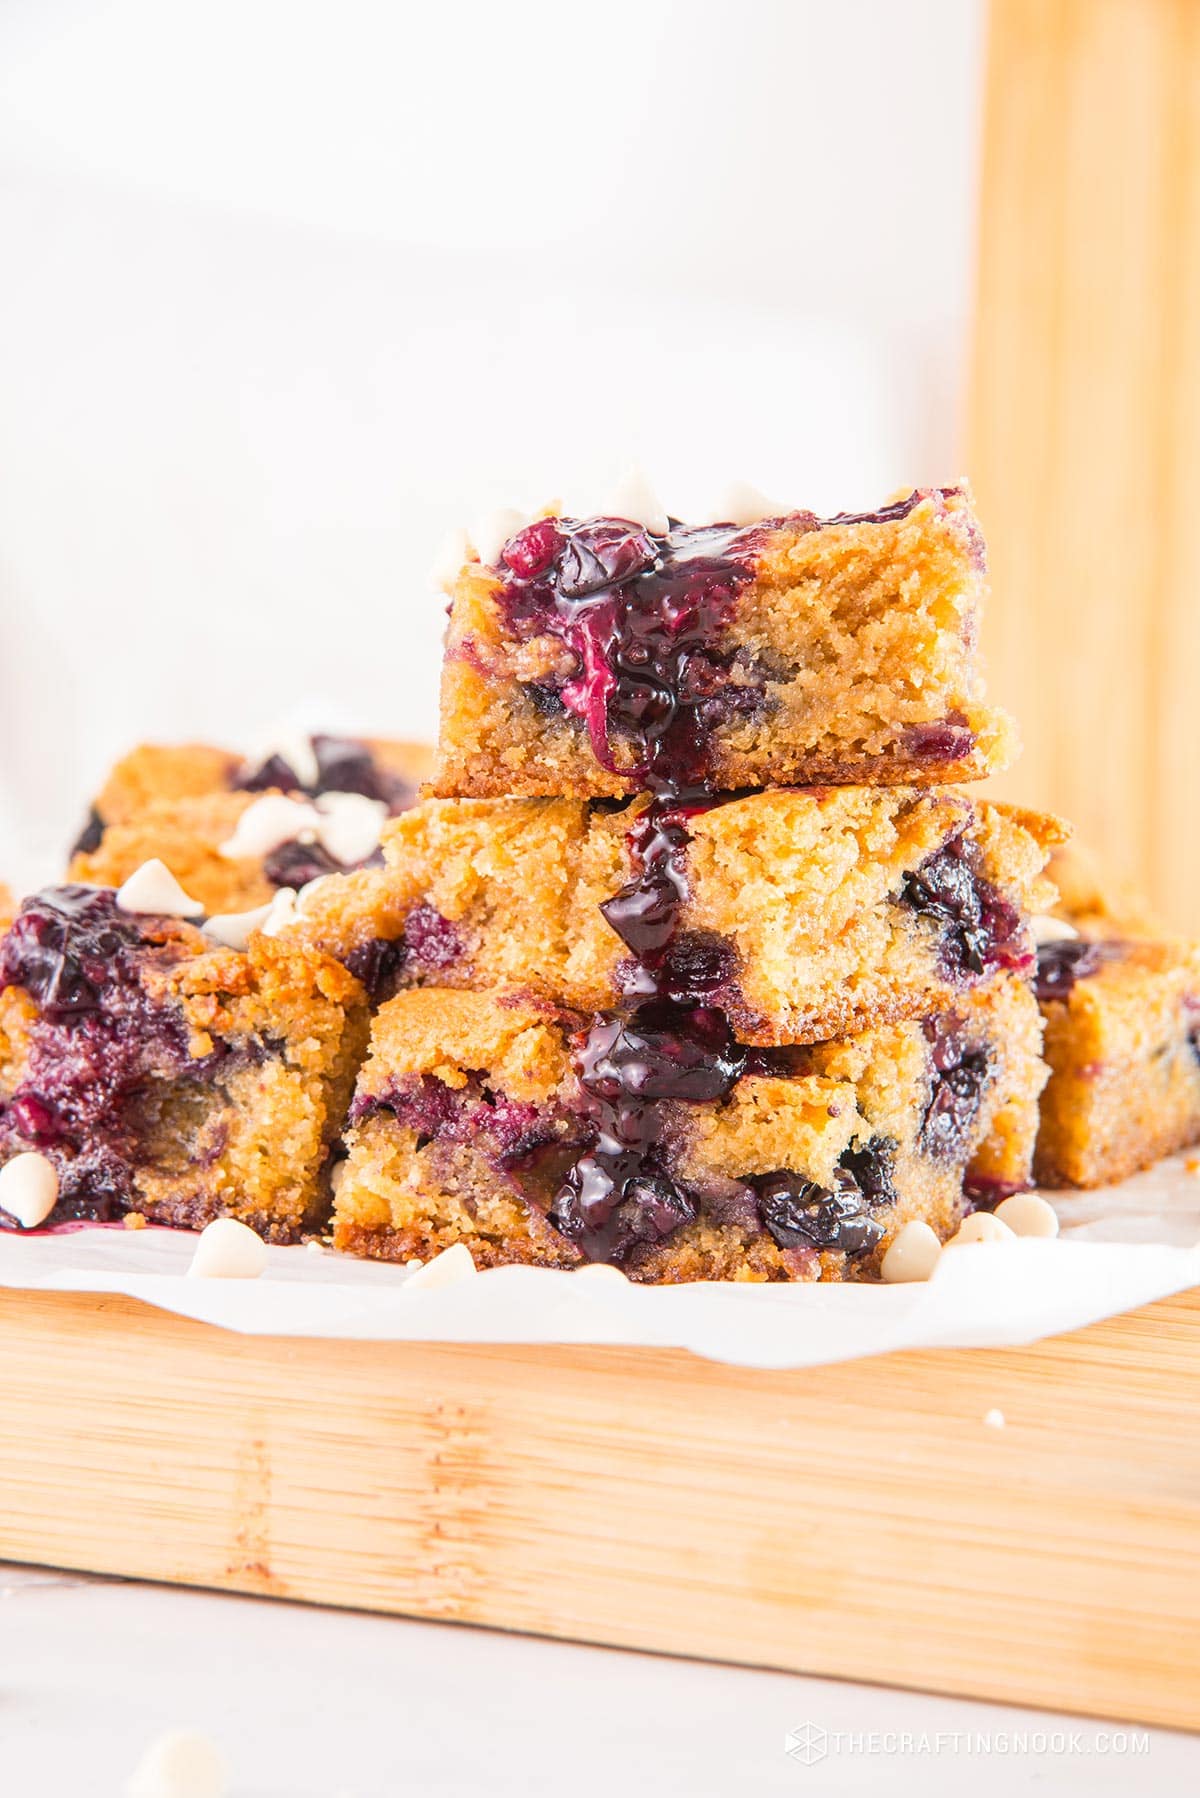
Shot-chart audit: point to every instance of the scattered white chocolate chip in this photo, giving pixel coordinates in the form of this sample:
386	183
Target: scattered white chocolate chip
270	822
314	1247
981	1226
180	1764
281	913
28	1188
447	1269
912	1254
350	826
489	534
233	929
228	1250
1028	1214
293	747
635	499
994	1419
1045	929
153	888
453	554
742	504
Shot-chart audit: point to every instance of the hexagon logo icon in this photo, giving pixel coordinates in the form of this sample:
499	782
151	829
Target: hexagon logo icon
808	1744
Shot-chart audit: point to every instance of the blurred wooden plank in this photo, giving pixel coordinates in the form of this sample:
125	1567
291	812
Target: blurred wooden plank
1086	417
859	1520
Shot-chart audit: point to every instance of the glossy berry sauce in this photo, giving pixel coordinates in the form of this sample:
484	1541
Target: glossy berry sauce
621	1196
642	616
982	932
97	1039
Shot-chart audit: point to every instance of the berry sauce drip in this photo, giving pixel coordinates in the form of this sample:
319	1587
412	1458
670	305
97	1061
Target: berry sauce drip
642	615
1060	964
961	1074
620	1195
690	968
982	931
97	1039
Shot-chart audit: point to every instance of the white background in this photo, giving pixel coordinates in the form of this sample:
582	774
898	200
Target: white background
288	290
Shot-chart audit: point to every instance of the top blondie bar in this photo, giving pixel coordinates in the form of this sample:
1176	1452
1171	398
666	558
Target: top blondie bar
603	656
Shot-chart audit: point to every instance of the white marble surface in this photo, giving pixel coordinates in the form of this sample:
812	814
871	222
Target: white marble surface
308	1703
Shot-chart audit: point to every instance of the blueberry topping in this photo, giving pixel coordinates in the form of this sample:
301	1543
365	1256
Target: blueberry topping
800	1214
982	931
344	765
295	864
99	1040
1061	964
91	836
643	616
67	946
621	1193
960	1075
274	772
378	964
431	941
873	1167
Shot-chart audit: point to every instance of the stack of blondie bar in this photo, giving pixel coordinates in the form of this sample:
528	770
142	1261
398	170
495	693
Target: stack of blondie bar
661	999
700	957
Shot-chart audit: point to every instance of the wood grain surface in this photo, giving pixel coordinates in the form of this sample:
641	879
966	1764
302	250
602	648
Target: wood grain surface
1085	437
860	1520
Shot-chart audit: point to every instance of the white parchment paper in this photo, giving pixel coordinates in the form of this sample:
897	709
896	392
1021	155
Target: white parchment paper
1119	1248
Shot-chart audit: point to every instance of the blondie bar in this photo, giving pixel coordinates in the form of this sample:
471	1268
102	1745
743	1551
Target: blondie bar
1123	1045
233	851
377	768
598	657
163	1076
802	914
653	1140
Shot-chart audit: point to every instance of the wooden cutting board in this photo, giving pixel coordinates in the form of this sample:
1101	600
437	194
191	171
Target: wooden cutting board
861	1520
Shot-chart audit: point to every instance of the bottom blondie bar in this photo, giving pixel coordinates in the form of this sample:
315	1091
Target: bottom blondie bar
162	1076
655	1141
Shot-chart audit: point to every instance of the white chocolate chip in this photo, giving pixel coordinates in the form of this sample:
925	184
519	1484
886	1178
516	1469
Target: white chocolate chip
452	556
293	747
742	504
994	1419
181	1764
635	499
228	1250
1028	1214
981	1226
282	912
489	534
28	1188
447	1269
600	1271
269	823
912	1254
153	889
234	929
1045	929
350	826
